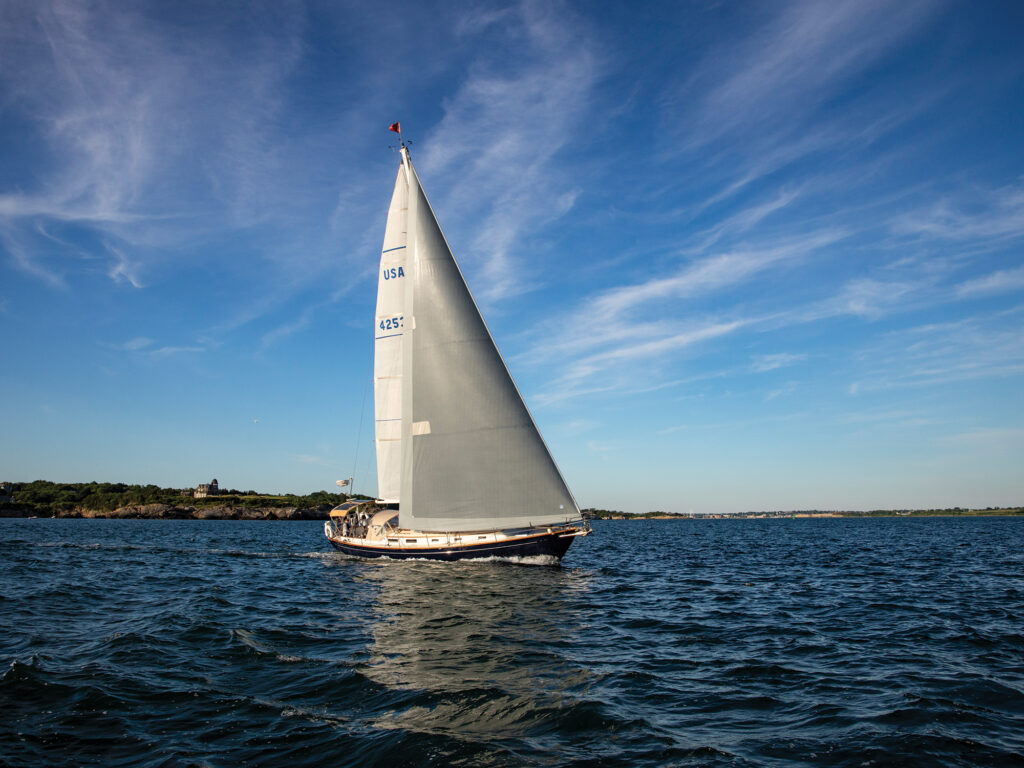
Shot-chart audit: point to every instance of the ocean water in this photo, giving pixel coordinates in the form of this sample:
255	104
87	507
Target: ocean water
660	643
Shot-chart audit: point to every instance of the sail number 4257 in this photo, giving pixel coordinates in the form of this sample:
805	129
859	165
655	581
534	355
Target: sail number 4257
391	323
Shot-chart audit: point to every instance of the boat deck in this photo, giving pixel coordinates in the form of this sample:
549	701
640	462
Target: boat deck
385	541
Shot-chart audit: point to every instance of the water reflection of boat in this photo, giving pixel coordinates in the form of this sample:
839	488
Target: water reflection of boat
462	471
482	647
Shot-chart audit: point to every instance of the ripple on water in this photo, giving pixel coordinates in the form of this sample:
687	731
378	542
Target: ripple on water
722	643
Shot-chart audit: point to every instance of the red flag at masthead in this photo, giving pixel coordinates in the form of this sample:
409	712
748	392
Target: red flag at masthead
396	127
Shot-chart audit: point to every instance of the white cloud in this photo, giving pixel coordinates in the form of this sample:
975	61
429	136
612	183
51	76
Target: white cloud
123	269
979	347
993	219
989	435
788	389
284	331
654	347
782	88
746	218
502	129
163	352
996	282
762	363
133	345
577	426
868	297
617	365
871	416
707	274
794	63
144	347
21	256
140	123
614	326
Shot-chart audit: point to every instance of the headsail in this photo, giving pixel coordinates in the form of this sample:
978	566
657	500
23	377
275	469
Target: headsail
472	458
389	321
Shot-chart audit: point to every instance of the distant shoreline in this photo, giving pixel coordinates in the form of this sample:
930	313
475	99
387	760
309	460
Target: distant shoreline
175	512
212	512
46	499
1004	512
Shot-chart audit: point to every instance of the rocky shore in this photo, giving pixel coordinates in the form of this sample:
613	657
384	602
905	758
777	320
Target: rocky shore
187	512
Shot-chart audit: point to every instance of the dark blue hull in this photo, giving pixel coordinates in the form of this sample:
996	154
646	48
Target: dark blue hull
545	544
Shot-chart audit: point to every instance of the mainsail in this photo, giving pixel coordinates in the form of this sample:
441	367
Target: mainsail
471	456
387	357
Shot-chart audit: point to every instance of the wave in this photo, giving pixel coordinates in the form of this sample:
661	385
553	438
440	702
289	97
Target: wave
732	645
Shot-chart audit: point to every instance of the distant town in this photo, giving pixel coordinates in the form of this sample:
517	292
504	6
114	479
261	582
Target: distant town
605	514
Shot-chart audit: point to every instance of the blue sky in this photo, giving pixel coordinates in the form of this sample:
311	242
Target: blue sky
737	256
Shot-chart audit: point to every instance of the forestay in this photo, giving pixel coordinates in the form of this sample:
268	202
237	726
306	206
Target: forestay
472	458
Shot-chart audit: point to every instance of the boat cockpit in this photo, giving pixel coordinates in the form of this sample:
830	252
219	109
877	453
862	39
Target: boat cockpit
361	520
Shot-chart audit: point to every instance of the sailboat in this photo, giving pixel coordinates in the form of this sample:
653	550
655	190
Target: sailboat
462	471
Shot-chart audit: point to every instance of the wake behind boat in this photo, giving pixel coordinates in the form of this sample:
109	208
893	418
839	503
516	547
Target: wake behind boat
462	470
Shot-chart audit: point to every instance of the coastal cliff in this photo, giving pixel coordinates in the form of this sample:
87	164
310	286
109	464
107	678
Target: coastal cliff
206	512
42	498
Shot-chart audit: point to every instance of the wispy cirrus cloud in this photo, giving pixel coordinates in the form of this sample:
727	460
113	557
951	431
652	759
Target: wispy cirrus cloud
793	63
745	219
22	256
593	364
703	275
787	389
143	347
764	363
751	109
987	345
133	345
141	128
123	268
503	127
988	437
172	351
867	297
778	94
613	332
978	215
615	325
995	282
887	418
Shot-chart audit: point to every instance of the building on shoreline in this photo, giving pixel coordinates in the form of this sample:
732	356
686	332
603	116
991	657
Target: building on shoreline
212	489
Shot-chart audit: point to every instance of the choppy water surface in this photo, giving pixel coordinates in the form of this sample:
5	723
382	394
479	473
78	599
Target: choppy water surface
747	642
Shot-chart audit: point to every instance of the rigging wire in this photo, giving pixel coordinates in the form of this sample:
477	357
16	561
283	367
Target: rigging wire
359	434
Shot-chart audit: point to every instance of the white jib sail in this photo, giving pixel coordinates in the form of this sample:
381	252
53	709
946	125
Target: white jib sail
389	322
472	458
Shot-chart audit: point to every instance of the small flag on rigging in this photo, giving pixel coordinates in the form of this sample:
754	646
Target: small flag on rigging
396	127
